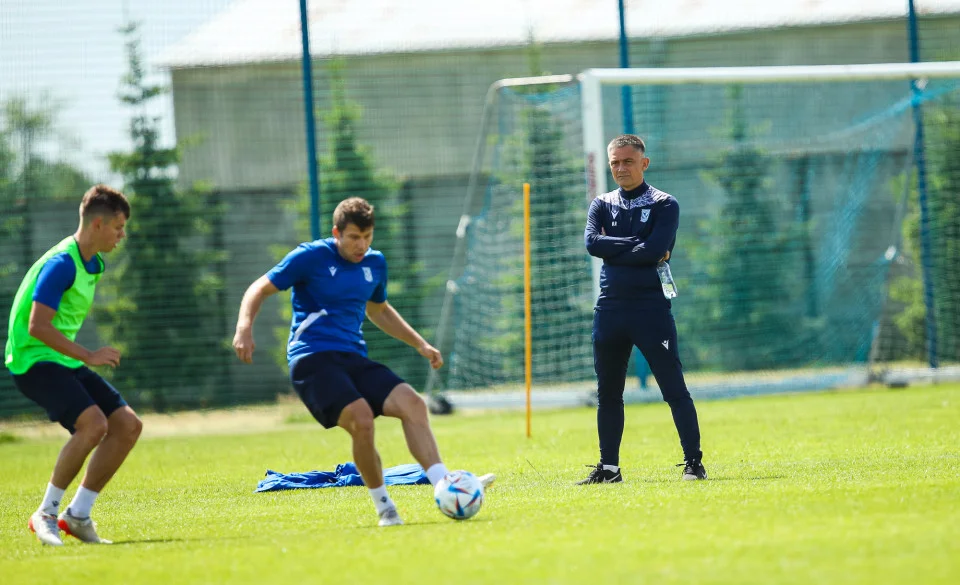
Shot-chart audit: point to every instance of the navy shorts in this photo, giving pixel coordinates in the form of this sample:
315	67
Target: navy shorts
330	380
66	392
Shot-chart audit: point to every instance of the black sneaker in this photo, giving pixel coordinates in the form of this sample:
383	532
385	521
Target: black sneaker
693	470
600	475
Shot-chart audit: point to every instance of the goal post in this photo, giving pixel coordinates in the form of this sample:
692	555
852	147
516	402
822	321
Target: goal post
798	259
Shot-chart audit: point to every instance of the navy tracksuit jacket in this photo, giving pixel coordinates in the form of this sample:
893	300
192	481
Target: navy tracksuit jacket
631	231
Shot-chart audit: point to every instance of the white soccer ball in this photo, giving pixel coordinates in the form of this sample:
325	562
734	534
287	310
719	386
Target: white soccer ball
459	495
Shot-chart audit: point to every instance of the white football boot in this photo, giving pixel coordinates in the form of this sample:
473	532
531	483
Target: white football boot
390	517
45	527
487	480
82	529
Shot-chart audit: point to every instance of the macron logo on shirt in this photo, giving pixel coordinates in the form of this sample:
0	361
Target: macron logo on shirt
333	271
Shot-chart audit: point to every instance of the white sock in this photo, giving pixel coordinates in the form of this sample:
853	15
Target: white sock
82	503
51	500
436	473
613	468
381	499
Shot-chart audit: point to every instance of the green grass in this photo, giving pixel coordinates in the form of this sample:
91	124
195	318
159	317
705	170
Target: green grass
851	487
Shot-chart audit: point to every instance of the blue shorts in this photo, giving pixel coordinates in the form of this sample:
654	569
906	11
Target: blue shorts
330	380
65	392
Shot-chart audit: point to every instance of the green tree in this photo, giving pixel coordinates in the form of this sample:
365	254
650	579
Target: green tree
347	169
11	221
33	176
30	176
161	288
26	177
745	258
538	153
942	123
27	128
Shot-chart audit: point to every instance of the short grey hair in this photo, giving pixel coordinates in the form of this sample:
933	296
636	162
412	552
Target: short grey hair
627	140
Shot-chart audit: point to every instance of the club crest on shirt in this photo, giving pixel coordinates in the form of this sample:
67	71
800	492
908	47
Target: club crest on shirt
367	274
644	215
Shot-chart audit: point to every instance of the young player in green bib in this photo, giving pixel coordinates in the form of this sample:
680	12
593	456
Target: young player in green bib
50	368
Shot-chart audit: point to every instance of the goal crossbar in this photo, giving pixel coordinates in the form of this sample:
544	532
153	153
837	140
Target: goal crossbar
593	80
774	74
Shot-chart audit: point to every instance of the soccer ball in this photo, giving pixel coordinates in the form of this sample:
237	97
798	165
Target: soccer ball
459	495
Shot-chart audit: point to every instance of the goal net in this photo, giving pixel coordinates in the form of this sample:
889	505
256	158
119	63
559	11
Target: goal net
819	242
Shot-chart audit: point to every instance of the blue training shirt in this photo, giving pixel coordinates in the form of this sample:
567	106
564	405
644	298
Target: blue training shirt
57	276
329	297
631	231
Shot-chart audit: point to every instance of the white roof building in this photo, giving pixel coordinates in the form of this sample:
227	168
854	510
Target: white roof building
267	30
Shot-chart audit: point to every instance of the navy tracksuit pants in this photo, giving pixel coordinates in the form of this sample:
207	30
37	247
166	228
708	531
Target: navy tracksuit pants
653	332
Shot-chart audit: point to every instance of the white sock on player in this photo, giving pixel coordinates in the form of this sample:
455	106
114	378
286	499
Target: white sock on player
381	499
51	500
436	473
82	503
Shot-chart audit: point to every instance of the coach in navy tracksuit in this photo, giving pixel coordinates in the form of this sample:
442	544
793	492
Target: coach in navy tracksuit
632	229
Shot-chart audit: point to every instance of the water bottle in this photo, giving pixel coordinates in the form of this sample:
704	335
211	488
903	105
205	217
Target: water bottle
666	280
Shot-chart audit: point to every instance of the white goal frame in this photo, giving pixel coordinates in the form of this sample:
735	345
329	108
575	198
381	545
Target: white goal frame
593	80
591	83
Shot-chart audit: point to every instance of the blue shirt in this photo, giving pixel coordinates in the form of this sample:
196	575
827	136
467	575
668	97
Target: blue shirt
56	277
631	231
329	297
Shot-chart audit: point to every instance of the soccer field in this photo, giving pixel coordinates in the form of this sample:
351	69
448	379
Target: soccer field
850	487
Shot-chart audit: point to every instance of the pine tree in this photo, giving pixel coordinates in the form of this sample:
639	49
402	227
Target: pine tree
160	288
27	176
746	258
540	154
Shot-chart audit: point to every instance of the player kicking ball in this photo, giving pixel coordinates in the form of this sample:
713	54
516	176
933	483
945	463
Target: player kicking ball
335	282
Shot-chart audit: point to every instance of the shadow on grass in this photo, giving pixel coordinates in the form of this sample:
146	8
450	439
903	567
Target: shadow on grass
712	479
436	522
173	540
